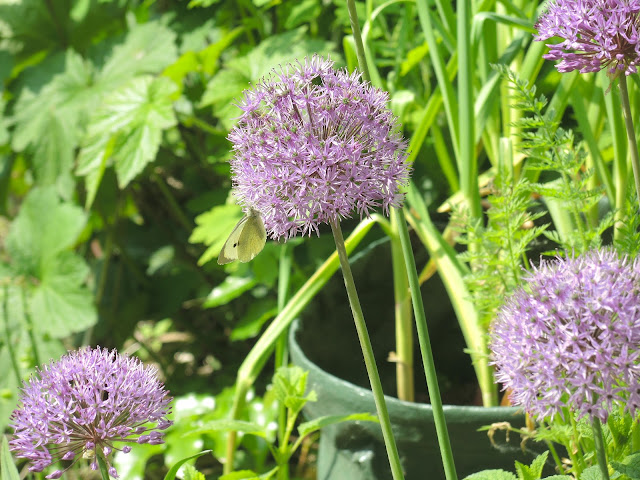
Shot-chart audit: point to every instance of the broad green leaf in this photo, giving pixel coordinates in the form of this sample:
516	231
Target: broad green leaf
44	227
230	426
8	470
316	424
61	304
629	466
128	127
148	49
559	477
492	475
49	123
171	474
231	288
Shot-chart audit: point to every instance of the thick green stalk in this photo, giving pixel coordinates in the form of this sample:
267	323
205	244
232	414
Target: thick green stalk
403	318
103	467
601	453
425	350
367	352
631	135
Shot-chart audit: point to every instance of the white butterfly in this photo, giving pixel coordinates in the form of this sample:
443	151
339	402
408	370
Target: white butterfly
246	240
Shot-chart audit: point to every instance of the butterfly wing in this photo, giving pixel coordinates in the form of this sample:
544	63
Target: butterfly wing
247	239
229	251
252	238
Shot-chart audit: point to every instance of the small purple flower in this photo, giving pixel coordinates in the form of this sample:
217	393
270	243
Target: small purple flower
83	403
597	34
571	337
312	145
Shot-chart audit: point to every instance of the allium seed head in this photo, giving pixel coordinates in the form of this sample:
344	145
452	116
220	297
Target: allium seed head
571	337
81	404
314	144
597	34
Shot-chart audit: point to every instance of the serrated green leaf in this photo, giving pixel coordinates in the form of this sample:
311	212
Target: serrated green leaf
231	426
316	424
190	473
213	228
231	288
129	123
289	386
8	470
148	48
44	227
171	474
591	473
492	475
629	466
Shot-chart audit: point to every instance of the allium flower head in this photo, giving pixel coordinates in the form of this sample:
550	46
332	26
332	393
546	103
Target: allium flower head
314	144
571	337
597	34
82	404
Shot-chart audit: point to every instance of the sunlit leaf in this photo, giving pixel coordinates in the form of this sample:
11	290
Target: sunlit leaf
318	423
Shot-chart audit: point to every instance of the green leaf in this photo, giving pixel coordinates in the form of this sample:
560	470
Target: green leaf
44	227
8	470
231	426
147	49
289	386
229	289
249	475
128	127
190	473
316	424
534	472
491	475
592	473
171	474
60	304
629	466
251	323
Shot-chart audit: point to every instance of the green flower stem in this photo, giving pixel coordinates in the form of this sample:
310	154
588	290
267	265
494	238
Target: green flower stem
403	318
631	135
600	449
103	467
367	352
425	350
282	352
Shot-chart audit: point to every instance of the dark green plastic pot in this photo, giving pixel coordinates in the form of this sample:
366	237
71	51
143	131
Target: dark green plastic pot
355	450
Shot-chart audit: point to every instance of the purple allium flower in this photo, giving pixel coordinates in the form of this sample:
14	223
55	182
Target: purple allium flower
597	34
312	145
83	403
571	337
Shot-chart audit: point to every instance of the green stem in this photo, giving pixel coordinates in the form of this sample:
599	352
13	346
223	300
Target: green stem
357	36
103	467
631	136
600	449
282	352
403	319
367	352
425	350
